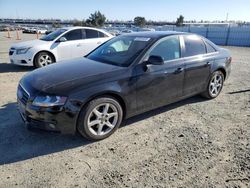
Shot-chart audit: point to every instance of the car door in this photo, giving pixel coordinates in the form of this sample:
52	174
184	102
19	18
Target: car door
92	39
70	48
197	64
158	85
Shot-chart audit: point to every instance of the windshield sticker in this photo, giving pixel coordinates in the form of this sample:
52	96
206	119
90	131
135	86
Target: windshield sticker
143	39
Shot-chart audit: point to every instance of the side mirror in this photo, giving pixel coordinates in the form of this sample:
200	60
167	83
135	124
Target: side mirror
155	60
62	39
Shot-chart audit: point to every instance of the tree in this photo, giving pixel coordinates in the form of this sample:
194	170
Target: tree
97	19
79	23
139	21
180	21
56	25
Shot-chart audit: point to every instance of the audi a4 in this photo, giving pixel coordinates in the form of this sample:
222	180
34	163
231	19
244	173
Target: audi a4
125	76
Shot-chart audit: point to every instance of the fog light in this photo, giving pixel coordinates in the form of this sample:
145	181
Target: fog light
51	125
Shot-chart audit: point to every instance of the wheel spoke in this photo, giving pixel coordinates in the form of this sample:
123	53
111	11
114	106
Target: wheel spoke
105	111
109	124
94	122
215	90
97	113
112	115
99	131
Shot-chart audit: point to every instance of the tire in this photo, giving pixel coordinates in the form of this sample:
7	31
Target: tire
43	59
100	118
216	81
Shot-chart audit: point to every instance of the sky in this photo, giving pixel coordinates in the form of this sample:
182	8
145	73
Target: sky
157	10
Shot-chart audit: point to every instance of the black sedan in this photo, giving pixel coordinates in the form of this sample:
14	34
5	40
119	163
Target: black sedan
125	76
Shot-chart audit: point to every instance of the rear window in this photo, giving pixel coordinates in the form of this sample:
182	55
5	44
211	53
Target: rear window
101	34
210	49
194	45
90	33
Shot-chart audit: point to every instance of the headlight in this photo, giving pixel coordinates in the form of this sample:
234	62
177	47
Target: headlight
49	101
22	50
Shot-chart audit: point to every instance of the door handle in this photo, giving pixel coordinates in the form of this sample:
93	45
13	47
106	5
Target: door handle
208	63
78	45
179	70
99	42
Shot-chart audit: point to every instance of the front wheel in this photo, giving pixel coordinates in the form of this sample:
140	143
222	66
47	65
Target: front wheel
100	118
43	59
215	85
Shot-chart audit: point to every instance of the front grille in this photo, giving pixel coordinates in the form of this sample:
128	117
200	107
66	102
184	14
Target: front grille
22	94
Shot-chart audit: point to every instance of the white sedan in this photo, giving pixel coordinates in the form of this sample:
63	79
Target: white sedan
62	44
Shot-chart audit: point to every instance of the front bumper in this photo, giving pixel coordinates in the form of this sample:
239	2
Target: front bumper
21	59
57	120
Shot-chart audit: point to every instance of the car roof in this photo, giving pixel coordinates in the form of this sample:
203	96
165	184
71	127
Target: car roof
154	34
79	27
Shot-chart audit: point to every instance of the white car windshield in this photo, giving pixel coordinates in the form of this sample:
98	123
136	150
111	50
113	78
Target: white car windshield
52	36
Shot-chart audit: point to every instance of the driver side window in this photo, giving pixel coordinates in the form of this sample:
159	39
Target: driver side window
168	49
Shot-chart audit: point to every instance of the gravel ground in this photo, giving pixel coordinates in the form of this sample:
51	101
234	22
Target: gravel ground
192	143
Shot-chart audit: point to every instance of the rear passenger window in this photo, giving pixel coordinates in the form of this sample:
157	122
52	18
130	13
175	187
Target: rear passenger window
101	34
210	49
74	35
194	45
90	33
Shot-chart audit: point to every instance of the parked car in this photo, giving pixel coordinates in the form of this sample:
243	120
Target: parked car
59	45
114	32
125	31
126	76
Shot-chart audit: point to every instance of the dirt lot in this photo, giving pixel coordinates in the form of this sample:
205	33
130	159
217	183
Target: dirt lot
192	143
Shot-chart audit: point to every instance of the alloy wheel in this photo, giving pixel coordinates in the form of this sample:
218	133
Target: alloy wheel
45	60
102	119
215	84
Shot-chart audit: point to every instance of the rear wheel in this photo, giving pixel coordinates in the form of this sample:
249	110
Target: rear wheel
215	85
100	118
43	59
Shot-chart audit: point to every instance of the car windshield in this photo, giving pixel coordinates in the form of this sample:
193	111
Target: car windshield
120	51
52	36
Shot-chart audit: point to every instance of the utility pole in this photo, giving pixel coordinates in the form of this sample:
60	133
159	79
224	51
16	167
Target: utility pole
227	17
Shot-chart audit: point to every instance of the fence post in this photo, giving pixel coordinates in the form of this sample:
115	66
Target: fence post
228	32
189	28
207	32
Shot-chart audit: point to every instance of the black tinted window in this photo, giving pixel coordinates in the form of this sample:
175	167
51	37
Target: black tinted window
90	33
194	45
74	35
101	34
168	49
210	49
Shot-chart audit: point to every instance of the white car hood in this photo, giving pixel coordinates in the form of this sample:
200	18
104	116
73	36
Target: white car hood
30	43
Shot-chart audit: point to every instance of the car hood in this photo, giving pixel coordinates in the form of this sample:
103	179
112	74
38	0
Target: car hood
65	76
28	44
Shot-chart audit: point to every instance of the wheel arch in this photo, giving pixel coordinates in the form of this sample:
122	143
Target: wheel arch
223	71
53	56
113	94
